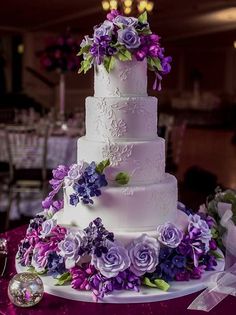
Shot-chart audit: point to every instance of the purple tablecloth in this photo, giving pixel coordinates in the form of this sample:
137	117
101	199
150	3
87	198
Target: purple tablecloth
51	304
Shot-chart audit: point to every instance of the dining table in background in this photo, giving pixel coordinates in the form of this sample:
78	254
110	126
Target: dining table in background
52	304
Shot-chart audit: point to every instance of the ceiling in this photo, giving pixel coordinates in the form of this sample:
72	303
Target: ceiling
172	19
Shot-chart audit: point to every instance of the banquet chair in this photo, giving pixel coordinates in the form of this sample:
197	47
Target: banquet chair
27	155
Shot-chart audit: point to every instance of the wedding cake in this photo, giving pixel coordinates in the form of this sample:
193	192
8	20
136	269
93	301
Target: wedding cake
118	226
121	125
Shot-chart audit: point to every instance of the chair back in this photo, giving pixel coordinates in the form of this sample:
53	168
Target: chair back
26	148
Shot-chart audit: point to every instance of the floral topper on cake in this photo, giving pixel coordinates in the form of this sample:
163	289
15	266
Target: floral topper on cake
124	38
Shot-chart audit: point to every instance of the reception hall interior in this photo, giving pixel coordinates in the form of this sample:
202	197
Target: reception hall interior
42	96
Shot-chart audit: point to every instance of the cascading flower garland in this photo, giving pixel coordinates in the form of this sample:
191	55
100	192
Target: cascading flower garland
124	38
91	259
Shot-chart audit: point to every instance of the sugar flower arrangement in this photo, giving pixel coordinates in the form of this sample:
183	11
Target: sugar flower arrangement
86	181
92	259
124	38
60	54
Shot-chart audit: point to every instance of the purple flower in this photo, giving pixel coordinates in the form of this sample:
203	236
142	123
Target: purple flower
199	229
112	262
125	21
143	252
179	261
197	272
47	202
47	227
104	29
111	15
56	264
165	64
81	276
183	275
36	261
169	235
129	37
69	247
74	173
60	172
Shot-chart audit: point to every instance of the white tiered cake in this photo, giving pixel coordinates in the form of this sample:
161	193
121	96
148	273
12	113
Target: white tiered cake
121	125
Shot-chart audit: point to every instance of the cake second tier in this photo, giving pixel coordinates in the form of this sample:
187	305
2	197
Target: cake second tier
143	161
126	209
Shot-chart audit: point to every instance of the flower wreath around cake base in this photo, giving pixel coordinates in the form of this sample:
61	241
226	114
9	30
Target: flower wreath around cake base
92	259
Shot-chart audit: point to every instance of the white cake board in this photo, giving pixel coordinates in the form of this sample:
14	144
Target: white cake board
146	294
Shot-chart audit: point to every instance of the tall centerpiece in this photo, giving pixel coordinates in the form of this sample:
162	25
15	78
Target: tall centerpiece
60	55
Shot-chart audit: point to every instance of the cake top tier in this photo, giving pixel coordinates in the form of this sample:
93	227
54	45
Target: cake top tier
124	39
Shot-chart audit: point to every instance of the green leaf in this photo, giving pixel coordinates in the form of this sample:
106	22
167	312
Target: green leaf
109	63
161	284
148	283
65	277
124	55
102	165
86	64
122	178
157	283
143	17
155	63
83	50
216	254
214	233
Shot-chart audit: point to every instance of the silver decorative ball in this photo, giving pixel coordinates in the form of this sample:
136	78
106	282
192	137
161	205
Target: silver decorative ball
25	289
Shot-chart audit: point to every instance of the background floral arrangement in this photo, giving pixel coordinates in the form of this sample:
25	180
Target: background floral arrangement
124	38
91	259
60	54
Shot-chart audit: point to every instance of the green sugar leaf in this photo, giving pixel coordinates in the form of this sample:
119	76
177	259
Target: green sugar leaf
148	283
65	277
83	50
102	165
161	284
124	55
143	17
122	178
216	254
109	63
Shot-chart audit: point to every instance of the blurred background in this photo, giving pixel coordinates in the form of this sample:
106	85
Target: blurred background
42	109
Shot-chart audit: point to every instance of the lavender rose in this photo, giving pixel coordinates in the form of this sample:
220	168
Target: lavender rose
114	261
104	29
68	248
129	37
199	229
144	253
125	21
169	235
47	227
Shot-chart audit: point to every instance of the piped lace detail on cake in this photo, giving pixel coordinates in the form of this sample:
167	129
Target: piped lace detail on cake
117	154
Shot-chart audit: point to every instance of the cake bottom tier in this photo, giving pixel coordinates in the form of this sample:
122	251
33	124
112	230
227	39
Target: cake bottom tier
126	209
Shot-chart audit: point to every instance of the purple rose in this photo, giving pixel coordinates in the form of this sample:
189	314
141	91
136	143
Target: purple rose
199	229
104	29
114	261
129	37
68	248
144	253
125	21
74	173
47	227
169	235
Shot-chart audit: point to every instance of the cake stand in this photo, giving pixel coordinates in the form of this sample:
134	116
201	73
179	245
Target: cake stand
146	294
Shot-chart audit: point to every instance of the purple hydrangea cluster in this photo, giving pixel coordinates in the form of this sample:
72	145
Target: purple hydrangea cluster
88	185
123	37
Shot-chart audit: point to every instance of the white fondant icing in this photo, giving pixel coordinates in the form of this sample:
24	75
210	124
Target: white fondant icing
143	210
128	78
144	161
121	118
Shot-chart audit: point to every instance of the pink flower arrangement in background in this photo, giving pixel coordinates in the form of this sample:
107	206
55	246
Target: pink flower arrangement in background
60	54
